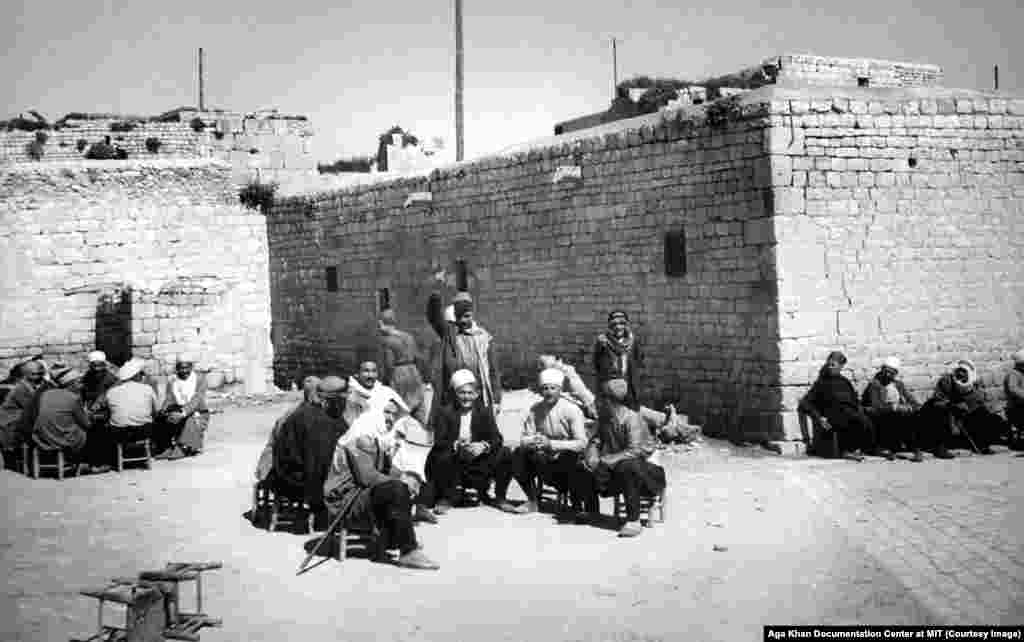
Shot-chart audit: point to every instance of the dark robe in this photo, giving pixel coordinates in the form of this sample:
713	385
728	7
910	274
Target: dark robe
894	430
454	358
95	385
834	398
446	468
303	451
961	412
608	365
13	408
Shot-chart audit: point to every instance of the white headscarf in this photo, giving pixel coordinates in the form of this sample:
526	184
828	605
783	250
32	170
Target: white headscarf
378	396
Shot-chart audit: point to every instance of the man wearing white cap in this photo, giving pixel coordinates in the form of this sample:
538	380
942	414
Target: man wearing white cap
98	379
133	405
893	410
1013	386
553	439
467	444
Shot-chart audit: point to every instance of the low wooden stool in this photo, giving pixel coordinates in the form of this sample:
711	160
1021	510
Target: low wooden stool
182	625
288	511
144	612
366	531
561	498
60	464
648	505
145	458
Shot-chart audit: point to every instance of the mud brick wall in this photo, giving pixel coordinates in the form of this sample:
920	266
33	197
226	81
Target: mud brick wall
797	69
547	261
160	252
900	229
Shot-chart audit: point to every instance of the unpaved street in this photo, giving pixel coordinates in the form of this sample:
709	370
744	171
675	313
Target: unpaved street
805	541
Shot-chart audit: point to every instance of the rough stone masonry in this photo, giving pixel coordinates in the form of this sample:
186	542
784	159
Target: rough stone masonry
747	238
165	244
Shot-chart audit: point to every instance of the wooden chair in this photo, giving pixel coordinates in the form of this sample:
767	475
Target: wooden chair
145	458
648	506
288	511
821	443
363	531
144	612
59	464
182	625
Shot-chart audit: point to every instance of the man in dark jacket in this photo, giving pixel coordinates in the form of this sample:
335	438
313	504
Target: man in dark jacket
893	410
303	449
833	403
467	445
958	412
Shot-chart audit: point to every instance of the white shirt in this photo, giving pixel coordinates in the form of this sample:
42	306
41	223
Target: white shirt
465	432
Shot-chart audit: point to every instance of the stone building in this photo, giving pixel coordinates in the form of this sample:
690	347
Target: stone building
747	237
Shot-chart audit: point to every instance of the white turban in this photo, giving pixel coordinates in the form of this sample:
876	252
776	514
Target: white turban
461	378
449	314
891	362
97	355
1018	357
131	368
551	377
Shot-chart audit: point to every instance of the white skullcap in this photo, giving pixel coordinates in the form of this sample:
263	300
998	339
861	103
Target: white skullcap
1018	356
891	362
449	314
96	355
551	377
461	378
131	368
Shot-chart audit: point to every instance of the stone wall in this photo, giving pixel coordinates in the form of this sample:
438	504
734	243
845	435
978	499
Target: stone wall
900	229
159	252
806	70
266	148
546	261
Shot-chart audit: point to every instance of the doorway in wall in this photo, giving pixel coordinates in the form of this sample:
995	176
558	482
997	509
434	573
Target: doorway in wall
114	324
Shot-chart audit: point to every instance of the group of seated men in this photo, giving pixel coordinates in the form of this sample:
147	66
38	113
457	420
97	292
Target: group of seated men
379	465
86	414
886	418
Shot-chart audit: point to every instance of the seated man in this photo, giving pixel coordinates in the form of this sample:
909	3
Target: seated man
366	392
892	409
133	405
62	424
616	460
266	462
957	412
1013	385
467	444
303	449
18	401
97	381
833	403
185	417
362	486
553	441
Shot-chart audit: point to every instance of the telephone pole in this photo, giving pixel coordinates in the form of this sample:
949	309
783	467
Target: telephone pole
615	70
202	101
459	142
995	73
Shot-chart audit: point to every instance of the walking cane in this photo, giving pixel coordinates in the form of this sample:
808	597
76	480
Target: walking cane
330	529
963	429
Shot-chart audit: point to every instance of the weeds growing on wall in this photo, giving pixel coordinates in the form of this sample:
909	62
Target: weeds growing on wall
123	126
81	145
21	124
258	195
197	124
36	147
153	144
105	151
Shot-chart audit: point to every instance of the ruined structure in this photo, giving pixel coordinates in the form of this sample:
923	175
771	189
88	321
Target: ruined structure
747	237
155	258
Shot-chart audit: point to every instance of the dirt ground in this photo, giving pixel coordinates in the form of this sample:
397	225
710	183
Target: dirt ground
751	539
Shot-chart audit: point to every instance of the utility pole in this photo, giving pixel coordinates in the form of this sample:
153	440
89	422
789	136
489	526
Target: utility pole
615	70
202	101
995	71
459	142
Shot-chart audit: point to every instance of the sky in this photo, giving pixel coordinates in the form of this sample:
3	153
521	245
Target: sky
357	68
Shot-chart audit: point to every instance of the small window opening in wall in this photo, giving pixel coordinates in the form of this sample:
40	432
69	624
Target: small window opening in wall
912	162
384	299
332	279
461	276
675	253
863	81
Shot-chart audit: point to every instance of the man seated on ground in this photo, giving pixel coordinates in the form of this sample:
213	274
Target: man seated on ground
957	413
616	459
467	444
553	441
893	410
366	392
1013	385
362	486
97	381
303	449
18	401
133	405
266	462
62	424
385	426
833	404
185	417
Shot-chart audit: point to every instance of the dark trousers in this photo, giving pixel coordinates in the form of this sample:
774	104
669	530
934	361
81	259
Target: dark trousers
941	423
102	438
854	428
897	431
526	464
391	504
634	478
447	470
